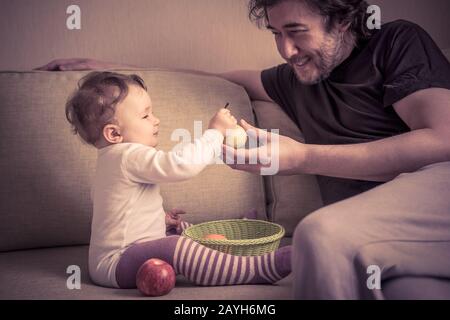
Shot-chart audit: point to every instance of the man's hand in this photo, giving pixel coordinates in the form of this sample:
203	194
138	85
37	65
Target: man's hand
273	150
80	64
173	220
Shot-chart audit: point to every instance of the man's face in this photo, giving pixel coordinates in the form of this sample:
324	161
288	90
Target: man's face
302	40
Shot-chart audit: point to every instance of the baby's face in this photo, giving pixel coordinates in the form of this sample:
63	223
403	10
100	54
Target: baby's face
136	120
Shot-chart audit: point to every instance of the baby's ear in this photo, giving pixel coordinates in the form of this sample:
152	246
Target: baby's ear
111	133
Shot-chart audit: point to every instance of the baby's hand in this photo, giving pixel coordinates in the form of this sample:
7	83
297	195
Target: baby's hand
173	220
222	121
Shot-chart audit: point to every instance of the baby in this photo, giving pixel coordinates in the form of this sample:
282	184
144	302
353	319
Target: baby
114	113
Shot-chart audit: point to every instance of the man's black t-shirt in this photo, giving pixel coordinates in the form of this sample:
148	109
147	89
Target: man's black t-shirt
355	104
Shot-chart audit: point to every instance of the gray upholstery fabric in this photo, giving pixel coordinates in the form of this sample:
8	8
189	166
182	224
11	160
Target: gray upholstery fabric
447	53
41	274
414	288
46	171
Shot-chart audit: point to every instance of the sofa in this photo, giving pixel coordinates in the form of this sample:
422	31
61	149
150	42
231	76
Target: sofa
45	207
45	195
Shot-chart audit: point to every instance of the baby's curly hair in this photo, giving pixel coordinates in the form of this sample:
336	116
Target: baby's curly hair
93	104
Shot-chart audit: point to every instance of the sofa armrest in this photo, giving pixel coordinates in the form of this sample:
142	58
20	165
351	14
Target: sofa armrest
289	198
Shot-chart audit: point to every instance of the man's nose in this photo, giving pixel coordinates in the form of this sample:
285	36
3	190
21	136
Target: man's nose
157	121
288	48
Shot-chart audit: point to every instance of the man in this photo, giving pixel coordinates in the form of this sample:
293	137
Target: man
374	108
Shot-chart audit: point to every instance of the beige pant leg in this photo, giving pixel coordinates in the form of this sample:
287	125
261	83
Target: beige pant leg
402	226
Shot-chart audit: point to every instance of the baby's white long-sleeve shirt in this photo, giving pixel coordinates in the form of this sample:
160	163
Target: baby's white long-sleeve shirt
128	207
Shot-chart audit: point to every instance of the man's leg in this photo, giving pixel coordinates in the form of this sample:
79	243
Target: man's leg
401	226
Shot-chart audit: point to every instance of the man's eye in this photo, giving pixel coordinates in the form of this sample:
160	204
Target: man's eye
146	116
297	31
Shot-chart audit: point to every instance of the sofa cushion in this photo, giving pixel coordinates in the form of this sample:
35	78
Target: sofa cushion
46	171
289	198
416	288
41	274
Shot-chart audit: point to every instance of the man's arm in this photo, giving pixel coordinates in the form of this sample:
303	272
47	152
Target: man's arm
81	64
250	80
426	112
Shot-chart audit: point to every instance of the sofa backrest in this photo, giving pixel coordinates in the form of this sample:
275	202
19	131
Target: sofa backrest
46	171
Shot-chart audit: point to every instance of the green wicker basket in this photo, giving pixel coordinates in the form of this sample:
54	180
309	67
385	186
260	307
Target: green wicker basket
245	237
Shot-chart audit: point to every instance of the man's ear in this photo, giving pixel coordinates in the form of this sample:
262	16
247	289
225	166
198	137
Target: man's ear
111	133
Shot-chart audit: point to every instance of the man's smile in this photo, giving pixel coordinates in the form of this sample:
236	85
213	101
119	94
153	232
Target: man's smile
302	61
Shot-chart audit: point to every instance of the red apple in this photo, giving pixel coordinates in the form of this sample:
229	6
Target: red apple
215	237
155	278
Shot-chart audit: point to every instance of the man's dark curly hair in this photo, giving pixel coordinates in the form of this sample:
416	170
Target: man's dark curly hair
333	11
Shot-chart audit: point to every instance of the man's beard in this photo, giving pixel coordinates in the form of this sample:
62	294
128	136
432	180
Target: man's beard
326	59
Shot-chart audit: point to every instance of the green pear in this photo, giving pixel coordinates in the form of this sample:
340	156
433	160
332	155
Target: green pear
236	138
